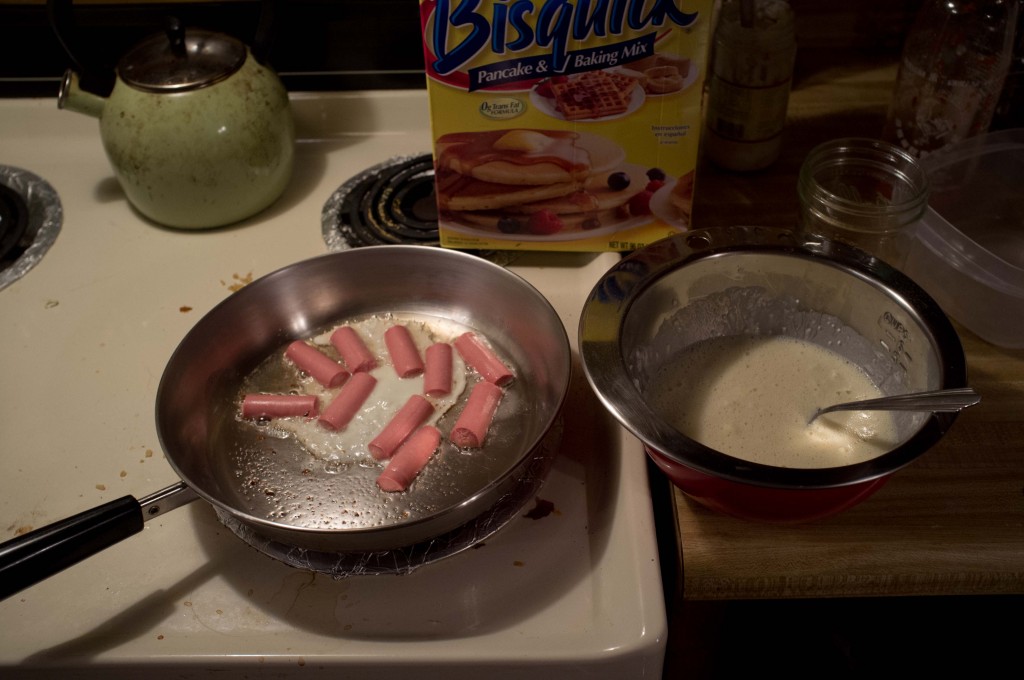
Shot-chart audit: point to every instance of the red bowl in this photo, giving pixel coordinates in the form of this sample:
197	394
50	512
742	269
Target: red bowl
763	503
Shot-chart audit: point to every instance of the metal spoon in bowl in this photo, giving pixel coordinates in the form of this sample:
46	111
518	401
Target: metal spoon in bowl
938	400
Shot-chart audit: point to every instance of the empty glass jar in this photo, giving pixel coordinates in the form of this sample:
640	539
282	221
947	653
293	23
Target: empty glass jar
864	192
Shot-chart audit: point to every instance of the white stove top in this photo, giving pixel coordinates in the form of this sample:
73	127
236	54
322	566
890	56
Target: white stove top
86	334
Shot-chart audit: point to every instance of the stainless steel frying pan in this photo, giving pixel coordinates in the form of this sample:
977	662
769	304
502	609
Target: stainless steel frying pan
275	488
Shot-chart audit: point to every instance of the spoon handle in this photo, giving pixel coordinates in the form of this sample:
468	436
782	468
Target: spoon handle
939	400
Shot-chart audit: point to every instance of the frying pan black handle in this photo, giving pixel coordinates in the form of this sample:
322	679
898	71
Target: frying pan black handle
35	556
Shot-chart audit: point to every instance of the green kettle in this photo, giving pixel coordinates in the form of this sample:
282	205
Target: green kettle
198	130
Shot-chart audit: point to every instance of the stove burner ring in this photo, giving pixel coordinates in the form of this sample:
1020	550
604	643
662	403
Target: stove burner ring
390	203
30	220
13	221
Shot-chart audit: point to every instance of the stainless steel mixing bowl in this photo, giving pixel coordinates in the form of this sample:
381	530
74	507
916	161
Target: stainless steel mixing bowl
759	281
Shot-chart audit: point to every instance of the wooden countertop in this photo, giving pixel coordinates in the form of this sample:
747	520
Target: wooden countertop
950	523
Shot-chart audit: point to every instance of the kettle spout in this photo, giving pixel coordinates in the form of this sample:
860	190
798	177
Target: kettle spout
73	98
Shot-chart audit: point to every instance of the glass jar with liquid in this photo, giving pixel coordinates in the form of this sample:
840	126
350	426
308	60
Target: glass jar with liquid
753	53
955	60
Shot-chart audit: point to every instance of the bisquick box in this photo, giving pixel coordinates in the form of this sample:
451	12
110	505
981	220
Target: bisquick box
564	125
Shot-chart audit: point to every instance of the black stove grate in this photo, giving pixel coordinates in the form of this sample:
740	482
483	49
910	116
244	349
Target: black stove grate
391	203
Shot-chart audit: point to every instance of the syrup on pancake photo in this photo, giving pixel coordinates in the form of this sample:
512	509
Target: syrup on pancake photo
534	184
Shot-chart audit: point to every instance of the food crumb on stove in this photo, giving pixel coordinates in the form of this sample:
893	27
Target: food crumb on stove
518	563
50	304
184	308
101	487
124	473
22	530
159	637
238	282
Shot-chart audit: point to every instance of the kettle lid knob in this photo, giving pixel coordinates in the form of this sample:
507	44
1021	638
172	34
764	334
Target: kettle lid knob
180	60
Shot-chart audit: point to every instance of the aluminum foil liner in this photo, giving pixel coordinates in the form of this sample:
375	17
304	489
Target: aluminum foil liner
45	218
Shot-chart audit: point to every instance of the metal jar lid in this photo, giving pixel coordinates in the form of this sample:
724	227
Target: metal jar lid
179	61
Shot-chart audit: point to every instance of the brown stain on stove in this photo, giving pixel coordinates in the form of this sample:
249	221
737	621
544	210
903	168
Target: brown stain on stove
23	526
541	509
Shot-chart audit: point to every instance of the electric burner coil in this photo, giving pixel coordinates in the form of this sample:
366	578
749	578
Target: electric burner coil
390	203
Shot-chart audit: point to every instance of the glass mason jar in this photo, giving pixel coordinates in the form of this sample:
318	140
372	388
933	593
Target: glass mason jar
863	192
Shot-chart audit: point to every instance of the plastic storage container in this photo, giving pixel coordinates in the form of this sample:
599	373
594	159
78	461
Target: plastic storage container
969	250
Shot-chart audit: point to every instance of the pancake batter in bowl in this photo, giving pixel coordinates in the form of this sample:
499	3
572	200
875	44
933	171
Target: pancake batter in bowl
752	397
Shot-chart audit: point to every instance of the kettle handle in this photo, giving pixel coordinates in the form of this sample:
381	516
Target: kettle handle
264	29
101	82
63	24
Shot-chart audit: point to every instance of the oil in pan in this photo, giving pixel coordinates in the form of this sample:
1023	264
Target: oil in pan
295	472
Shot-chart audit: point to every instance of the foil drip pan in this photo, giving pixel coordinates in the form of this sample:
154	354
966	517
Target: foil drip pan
45	218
